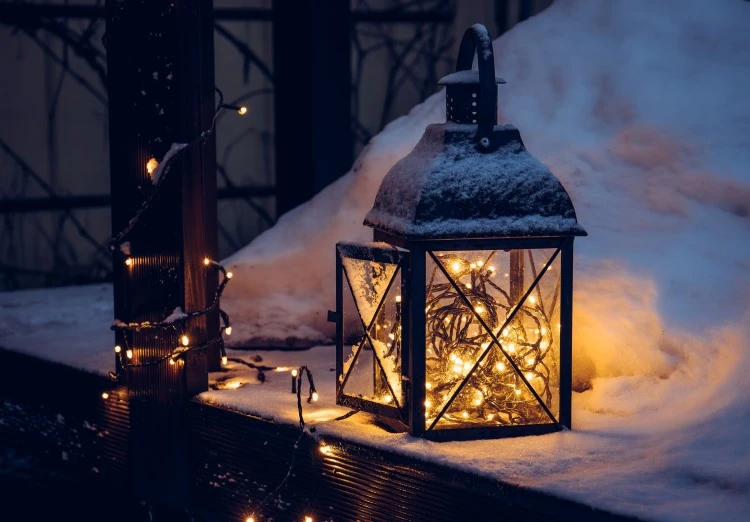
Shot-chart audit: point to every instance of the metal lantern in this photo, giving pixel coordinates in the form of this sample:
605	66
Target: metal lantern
456	322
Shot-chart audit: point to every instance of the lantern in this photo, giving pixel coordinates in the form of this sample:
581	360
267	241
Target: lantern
456	322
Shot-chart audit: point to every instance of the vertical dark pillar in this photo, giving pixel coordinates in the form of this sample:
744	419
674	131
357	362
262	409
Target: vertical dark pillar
160	76
416	339
566	332
312	97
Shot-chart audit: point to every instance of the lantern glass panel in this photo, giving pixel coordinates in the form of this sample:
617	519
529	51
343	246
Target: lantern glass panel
372	351
492	337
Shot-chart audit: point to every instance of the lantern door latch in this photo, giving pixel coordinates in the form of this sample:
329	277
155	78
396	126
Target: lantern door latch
334	317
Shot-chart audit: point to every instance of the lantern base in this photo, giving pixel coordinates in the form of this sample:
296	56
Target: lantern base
500	432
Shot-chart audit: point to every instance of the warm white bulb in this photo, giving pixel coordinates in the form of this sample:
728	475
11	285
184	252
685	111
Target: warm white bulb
128	262
465	414
479	309
171	362
532	299
308	519
473	266
129	354
388	399
228	330
294	373
511	347
518	392
500	367
391	336
480	263
457	368
530	360
467	366
505	332
468	285
185	340
242	110
229	275
206	261
325	449
456	266
529	376
427	404
485	346
249	519
118	349
151	166
428	385
315	396
398	298
224	360
105	395
491	268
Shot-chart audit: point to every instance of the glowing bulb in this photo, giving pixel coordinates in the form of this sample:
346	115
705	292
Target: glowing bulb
467	366
224	360
171	362
505	274
491	269
428	385
518	392
529	376
249	519
228	330
242	110
473	266
544	331
427	404
453	357
294	373
388	345
388	399
105	395
151	166
325	449
118	349
315	396
446	320
456	266
485	346
398	298
480	263
500	367
465	414
530	360
391	336
532	299
511	347
128	262
457	368
229	275
477	402
479	309
506	332
490	416
468	285
185	340
544	345
308	519
129	354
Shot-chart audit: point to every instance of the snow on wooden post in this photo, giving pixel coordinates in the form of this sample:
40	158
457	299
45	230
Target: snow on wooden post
456	323
161	96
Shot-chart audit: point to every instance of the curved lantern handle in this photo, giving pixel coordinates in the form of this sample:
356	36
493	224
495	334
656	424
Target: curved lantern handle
477	41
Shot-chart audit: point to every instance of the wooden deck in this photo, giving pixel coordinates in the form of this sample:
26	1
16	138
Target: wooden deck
54	416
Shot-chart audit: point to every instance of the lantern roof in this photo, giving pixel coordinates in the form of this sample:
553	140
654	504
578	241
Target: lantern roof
445	189
469	177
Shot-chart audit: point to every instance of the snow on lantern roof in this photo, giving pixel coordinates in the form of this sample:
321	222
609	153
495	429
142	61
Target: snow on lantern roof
446	189
464	78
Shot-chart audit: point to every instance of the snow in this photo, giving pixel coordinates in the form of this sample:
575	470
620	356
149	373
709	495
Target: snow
174	149
445	189
464	77
640	109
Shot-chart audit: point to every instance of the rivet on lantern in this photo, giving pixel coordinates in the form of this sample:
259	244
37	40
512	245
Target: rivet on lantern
461	353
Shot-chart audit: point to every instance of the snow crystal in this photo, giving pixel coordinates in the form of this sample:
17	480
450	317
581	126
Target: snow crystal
470	76
176	315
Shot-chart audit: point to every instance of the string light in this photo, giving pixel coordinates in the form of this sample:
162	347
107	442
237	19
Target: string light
315	396
185	340
229	275
228	330
128	261
242	110
118	348
151	165
308	519
129	354
224	360
105	395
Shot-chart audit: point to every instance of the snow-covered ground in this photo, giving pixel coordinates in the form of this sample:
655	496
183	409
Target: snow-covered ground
641	109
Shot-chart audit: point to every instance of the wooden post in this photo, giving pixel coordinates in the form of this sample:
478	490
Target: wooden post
312	97
160	82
